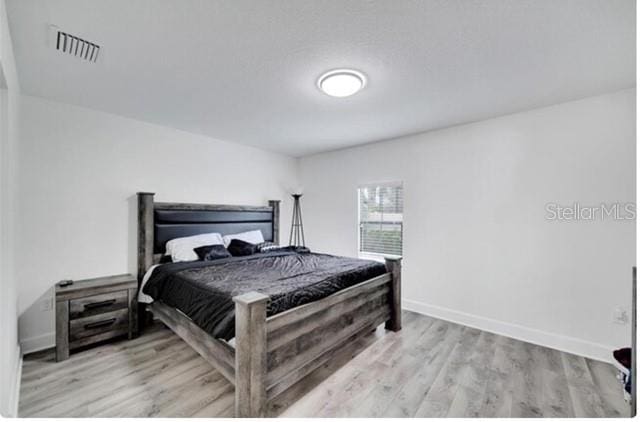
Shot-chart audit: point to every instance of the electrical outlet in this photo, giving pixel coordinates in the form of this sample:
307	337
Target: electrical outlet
620	315
46	304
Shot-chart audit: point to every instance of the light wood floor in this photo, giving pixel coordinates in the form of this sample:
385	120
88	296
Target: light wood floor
431	368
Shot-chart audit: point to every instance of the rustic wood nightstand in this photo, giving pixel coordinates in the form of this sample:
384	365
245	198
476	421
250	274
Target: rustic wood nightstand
90	311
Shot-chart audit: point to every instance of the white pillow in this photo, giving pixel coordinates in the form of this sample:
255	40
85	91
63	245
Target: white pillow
254	236
181	248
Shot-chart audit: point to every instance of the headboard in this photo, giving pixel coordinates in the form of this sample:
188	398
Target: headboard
159	222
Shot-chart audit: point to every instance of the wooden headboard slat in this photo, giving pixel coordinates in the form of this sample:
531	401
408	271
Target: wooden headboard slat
208	207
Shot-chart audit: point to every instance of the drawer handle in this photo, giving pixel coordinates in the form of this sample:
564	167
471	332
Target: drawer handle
99	304
100	324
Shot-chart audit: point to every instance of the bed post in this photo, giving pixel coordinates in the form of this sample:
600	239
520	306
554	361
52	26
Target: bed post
251	355
275	204
145	232
145	248
394	266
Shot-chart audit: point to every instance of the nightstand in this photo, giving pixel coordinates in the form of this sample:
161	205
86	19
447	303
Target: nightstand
90	311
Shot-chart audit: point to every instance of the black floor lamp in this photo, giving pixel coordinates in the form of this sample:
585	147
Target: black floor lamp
296	238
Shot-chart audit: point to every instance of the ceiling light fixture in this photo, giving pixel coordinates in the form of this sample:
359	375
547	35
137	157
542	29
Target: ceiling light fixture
342	82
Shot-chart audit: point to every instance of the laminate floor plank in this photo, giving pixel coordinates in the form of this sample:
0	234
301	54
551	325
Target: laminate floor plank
556	398
152	391
497	397
473	382
93	388
528	383
415	388
77	379
430	368
38	367
441	394
587	401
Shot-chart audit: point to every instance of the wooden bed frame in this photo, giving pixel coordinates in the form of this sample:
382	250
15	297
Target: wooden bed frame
271	353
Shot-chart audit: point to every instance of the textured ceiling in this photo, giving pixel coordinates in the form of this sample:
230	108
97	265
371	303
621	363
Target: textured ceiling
245	70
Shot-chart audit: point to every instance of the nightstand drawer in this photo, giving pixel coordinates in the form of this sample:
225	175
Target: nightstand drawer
98	304
96	324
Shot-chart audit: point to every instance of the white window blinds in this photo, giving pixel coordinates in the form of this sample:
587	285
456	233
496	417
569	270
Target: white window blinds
380	218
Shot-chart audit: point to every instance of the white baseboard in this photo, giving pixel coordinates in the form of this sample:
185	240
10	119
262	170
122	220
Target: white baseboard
14	393
572	345
35	344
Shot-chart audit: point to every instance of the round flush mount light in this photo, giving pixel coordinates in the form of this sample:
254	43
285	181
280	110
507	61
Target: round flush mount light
342	82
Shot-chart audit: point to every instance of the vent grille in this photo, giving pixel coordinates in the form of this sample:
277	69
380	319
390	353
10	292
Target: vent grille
76	46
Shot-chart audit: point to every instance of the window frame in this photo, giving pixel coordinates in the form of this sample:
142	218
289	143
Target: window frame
377	256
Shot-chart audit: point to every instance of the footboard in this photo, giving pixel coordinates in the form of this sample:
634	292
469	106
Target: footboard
272	354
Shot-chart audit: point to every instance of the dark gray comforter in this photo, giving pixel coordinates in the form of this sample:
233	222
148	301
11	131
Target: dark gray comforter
204	290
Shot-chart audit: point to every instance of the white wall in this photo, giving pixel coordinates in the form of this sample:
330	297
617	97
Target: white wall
10	358
79	173
478	249
477	246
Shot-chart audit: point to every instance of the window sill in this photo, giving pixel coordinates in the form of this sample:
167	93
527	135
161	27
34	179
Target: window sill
375	256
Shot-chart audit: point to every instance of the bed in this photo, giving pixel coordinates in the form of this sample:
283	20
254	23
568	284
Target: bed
304	307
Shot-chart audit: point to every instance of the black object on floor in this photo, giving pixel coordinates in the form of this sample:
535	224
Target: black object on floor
623	357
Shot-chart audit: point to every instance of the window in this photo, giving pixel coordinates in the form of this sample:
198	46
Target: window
380	219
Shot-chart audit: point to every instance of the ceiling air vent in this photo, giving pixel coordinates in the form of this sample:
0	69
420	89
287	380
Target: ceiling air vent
75	46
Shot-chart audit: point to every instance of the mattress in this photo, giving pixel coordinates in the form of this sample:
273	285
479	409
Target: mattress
204	290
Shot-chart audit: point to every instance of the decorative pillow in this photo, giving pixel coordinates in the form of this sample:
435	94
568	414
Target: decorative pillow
165	259
239	247
211	252
267	246
181	248
254	236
